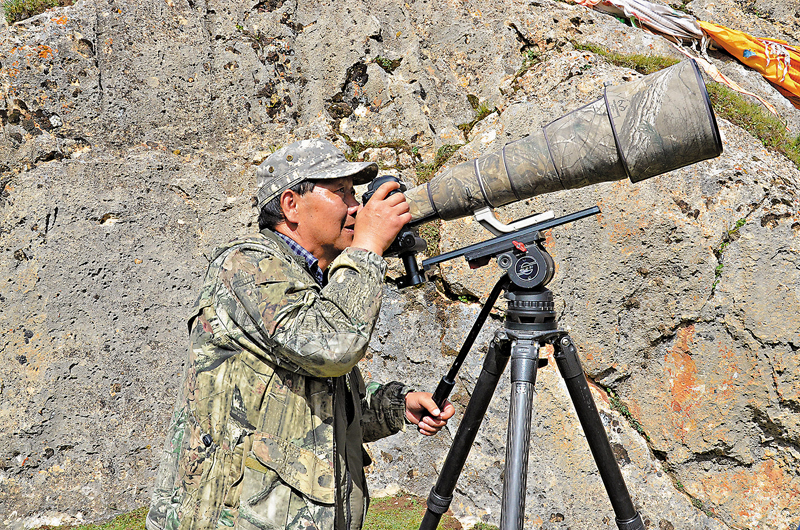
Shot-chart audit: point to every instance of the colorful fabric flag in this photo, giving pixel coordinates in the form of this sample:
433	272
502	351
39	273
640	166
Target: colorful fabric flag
655	17
775	59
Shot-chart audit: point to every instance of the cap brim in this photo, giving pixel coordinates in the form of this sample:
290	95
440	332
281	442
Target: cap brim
366	173
362	172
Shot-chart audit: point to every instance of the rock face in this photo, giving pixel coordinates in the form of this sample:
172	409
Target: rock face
130	135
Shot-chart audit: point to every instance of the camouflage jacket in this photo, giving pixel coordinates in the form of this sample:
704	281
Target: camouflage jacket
267	432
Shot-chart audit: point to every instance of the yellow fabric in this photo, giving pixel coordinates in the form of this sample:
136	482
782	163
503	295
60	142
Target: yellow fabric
775	59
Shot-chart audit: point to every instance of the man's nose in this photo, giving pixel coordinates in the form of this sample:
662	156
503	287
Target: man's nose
352	204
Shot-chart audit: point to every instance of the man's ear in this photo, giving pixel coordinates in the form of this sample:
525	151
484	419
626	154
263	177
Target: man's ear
289	205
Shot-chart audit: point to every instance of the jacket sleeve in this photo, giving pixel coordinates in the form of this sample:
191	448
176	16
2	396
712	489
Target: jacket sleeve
383	410
282	313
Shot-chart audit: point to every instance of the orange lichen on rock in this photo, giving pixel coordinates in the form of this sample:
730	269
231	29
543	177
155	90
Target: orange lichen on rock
45	51
758	495
684	386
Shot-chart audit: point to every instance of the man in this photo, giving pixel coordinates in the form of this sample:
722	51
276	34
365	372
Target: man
269	425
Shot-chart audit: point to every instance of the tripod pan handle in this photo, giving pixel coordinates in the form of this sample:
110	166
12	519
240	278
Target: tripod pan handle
442	392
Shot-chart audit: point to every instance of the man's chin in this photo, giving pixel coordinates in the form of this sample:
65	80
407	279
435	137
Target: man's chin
345	241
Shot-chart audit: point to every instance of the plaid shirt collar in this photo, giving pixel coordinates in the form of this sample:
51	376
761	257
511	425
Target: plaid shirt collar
312	263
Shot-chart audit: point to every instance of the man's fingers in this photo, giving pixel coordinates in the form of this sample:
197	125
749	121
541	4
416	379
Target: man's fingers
385	189
394	206
426	428
396	202
433	422
449	410
395	199
426	400
422	410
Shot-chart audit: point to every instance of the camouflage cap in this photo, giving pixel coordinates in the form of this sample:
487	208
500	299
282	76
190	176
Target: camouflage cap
314	159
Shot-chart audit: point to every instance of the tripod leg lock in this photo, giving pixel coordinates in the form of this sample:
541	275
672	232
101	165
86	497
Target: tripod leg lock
566	355
631	524
438	504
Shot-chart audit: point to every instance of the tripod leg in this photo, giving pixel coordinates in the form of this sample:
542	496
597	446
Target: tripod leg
524	364
442	493
569	365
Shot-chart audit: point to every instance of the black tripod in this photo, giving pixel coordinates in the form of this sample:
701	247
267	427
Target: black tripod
529	325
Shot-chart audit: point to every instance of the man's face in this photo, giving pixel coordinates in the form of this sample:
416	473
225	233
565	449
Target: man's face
326	217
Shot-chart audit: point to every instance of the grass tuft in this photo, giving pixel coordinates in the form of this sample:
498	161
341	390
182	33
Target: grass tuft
16	10
481	112
358	147
484	526
644	64
388	65
730	235
127	521
426	171
431	233
619	406
756	120
402	512
530	58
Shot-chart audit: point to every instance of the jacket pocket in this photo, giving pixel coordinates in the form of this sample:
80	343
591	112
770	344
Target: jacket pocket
299	468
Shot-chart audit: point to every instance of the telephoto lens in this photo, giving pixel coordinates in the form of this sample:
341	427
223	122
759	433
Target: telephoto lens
637	130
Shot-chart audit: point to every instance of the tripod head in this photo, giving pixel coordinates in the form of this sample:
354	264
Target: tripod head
521	253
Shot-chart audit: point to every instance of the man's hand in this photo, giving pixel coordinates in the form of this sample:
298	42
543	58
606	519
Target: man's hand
378	223
422	411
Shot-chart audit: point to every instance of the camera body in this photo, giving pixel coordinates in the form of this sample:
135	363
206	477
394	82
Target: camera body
407	243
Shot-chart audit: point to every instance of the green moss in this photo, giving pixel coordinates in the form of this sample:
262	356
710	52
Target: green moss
644	64
731	235
426	171
127	521
681	6
431	233
481	112
388	65
402	512
16	10
530	58
697	503
755	119
358	147
619	406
